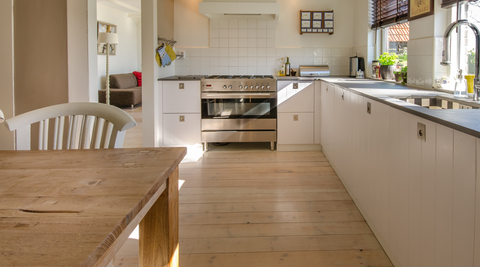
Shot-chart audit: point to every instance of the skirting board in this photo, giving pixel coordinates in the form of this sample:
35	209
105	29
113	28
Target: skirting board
285	148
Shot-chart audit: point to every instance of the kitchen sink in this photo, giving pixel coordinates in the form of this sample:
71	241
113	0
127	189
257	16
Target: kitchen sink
440	102
354	80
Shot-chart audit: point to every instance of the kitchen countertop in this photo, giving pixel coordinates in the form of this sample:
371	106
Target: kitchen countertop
183	78
464	120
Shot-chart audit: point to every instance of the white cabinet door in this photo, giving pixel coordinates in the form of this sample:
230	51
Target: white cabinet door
181	97
317	113
300	99
326	118
181	129
295	132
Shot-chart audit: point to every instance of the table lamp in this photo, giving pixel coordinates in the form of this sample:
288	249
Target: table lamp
108	39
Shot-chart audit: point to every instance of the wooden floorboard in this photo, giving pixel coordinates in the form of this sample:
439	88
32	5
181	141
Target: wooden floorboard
262	208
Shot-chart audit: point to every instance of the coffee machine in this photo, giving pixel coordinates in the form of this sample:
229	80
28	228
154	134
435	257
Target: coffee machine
356	63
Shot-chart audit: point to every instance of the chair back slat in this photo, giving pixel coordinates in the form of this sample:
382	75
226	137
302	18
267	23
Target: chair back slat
74	126
43	134
60	132
107	134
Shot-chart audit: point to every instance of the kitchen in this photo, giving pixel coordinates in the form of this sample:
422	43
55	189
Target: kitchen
424	32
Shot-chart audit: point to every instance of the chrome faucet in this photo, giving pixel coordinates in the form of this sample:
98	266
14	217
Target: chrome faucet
446	52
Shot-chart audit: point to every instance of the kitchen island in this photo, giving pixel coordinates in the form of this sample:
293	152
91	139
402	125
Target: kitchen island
411	170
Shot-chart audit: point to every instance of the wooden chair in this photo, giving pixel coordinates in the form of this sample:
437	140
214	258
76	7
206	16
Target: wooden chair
72	126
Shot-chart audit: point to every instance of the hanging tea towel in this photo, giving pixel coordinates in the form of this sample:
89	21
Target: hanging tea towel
162	57
170	52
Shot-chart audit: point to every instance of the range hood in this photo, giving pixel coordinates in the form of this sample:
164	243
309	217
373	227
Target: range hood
240	9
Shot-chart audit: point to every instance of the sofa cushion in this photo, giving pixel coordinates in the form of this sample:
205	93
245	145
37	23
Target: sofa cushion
123	81
138	75
122	97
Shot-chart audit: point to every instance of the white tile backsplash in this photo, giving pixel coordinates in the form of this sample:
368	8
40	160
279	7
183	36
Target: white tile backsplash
233	52
233	33
242	24
252	23
240	46
232	23
261	24
242	33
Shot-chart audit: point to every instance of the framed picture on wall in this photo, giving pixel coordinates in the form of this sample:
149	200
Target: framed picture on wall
102	48
419	8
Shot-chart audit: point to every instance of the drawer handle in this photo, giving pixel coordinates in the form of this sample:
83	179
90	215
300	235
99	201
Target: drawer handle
181	118
343	96
181	86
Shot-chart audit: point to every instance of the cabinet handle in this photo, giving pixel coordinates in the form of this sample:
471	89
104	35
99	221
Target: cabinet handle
181	118
181	86
421	131
369	108
343	96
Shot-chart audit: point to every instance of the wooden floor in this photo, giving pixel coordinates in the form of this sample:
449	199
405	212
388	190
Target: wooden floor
263	208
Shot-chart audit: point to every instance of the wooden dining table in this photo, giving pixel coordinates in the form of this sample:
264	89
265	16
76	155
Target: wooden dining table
77	207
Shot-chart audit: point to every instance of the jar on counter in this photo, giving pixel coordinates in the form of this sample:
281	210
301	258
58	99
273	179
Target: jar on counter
375	69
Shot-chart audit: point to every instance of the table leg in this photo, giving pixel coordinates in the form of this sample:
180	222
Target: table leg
159	229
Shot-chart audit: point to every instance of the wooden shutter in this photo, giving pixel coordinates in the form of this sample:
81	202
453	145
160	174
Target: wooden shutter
388	12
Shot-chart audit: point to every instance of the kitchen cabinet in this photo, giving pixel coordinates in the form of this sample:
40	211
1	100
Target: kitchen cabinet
296	115
327	92
181	97
181	111
418	195
295	128
181	130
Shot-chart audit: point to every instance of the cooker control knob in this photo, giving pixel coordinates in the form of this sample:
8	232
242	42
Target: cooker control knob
263	87
256	87
230	87
225	86
268	87
240	87
251	87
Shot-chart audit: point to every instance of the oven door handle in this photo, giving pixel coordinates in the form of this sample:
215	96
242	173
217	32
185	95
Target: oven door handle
236	95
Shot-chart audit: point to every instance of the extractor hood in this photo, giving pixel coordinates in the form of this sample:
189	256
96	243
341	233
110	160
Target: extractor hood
239	9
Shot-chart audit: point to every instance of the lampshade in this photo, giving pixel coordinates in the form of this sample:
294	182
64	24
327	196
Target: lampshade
107	37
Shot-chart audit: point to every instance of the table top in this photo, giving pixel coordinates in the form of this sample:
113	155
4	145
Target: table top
66	208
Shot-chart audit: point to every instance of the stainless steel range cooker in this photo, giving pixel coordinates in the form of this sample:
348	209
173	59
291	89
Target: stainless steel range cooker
240	108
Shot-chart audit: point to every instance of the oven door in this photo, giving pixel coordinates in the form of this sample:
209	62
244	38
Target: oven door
239	105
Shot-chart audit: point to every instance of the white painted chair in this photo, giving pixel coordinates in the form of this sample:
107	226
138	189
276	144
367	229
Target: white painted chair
73	126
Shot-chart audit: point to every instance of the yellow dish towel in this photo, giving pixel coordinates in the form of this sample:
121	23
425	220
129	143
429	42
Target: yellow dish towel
170	52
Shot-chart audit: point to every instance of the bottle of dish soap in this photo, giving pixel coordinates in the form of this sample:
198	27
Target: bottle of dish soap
460	85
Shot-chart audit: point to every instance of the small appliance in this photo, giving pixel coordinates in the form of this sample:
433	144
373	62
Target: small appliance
356	63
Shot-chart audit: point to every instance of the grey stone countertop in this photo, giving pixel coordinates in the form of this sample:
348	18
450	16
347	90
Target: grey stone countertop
464	120
182	78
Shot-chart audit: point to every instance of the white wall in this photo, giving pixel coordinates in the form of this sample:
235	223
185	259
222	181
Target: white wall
125	61
257	46
425	48
6	71
82	39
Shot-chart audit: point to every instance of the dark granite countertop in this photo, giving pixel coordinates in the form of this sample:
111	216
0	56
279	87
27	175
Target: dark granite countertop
183	78
463	120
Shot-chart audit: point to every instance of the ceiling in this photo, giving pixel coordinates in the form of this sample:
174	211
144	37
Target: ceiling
131	8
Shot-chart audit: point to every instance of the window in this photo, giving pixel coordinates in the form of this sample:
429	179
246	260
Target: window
396	39
391	17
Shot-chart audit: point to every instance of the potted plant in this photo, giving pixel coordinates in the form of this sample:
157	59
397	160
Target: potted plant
398	75
403	71
387	65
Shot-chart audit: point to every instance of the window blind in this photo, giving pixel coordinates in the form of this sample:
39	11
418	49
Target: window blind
388	12
450	3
